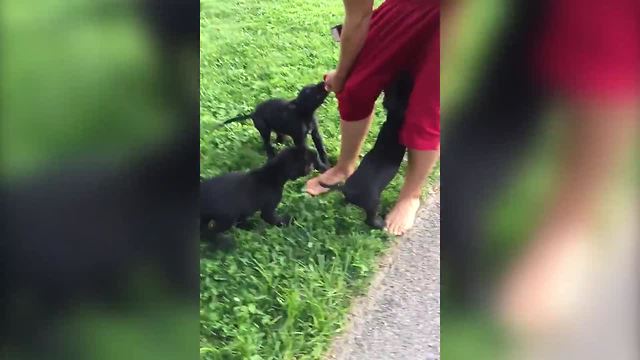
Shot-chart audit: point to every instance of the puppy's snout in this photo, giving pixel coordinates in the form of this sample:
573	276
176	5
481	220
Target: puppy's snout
321	88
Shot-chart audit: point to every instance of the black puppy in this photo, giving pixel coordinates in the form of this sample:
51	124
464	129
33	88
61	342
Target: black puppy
294	118
381	163
230	199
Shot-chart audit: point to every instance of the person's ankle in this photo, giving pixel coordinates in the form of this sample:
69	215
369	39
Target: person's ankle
344	170
409	197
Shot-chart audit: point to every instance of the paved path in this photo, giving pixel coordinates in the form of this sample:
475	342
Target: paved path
400	316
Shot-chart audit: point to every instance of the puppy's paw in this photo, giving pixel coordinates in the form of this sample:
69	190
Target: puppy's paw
285	220
222	243
377	223
245	225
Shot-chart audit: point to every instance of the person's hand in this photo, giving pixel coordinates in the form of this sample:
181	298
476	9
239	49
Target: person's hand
334	81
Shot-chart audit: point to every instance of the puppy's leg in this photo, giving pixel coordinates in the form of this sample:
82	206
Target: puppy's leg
375	221
373	218
244	224
265	133
323	161
215	238
266	139
268	214
300	141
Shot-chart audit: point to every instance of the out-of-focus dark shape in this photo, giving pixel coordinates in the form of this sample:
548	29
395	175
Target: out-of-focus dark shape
178	34
482	140
99	188
539	179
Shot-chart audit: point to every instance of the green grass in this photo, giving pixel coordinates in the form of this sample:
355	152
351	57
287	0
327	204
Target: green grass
63	74
283	293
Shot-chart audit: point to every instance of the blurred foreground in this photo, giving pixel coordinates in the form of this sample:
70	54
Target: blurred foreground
99	169
540	180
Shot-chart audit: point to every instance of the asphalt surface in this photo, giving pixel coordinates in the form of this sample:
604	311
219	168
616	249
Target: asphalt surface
399	318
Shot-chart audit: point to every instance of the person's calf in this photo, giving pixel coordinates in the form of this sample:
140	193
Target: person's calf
352	136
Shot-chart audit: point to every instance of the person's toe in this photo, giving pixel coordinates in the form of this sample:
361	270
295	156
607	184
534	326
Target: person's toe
402	217
392	227
390	224
397	227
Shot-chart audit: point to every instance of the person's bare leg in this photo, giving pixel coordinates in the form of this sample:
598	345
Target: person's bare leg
403	214
352	135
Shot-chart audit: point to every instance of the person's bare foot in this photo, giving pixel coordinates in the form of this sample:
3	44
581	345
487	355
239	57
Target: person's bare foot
332	176
402	216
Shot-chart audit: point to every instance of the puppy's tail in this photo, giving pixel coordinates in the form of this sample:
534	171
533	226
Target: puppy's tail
235	119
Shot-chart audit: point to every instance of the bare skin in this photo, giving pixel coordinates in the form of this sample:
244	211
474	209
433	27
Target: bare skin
354	34
353	134
402	216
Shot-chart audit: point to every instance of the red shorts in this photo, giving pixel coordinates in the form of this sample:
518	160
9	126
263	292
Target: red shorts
403	35
590	49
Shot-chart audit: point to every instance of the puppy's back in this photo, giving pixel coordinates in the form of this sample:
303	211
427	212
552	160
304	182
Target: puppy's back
223	195
272	109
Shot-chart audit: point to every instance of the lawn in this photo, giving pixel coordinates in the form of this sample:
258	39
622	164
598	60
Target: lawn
283	293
